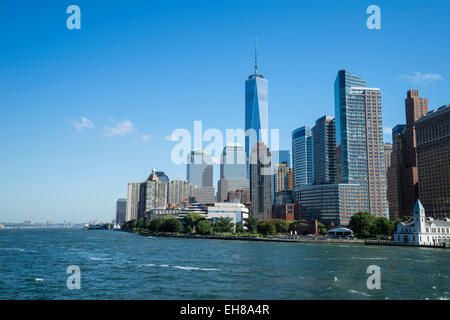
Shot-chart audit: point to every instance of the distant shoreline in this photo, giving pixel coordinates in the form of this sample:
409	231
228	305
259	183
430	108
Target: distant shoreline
252	238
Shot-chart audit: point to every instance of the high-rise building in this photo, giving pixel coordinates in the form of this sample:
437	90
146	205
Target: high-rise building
359	134
281	156
324	151
233	171
283	178
387	155
302	156
403	189
256	109
260	182
121	211
433	161
162	177
180	192
394	174
155	193
135	200
199	169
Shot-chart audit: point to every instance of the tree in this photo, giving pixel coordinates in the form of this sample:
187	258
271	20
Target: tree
240	228
384	227
191	220
282	226
252	224
223	225
155	224
321	227
204	227
362	224
266	227
171	224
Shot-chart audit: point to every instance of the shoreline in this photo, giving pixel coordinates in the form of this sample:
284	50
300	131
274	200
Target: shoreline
251	238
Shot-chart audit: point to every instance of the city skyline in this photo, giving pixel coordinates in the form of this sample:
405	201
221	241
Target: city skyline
77	128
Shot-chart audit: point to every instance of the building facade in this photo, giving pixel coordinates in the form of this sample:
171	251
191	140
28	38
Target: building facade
324	151
135	200
155	193
283	178
181	191
422	230
233	171
260	182
256	110
121	211
302	156
433	160
199	169
331	203
359	135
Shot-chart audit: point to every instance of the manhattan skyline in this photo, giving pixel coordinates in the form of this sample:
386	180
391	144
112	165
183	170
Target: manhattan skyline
90	110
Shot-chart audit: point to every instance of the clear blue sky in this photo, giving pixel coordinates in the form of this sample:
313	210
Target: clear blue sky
160	65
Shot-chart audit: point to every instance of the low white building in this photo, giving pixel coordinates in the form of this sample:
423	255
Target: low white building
237	212
422	230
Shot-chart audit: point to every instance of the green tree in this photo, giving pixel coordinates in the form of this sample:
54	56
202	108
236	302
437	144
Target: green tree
362	224
171	224
204	227
281	226
240	228
321	227
252	224
384	227
223	225
191	220
155	224
266	227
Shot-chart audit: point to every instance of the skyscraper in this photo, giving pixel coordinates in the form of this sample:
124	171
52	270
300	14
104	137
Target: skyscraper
260	182
181	191
121	210
135	200
199	169
233	171
256	109
155	193
281	156
283	178
359	134
324	151
433	160
302	156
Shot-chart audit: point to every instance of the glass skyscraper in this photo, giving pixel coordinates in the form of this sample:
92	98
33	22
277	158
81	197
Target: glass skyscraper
199	169
256	110
233	171
302	156
359	139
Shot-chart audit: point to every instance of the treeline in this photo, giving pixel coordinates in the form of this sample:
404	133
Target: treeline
196	223
365	225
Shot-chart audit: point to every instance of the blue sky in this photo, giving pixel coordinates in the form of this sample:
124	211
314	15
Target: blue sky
137	70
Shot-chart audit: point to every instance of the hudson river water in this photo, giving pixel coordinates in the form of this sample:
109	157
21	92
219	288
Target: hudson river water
119	265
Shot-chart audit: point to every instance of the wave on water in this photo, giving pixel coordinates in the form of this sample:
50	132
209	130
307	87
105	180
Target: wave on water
358	292
38	279
180	267
13	249
376	258
100	259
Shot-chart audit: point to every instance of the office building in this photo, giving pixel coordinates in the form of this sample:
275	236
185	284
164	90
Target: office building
281	156
302	156
155	193
135	200
239	196
331	204
433	161
284	205
359	136
324	151
233	171
387	155
121	211
199	169
181	192
256	109
260	182
283	178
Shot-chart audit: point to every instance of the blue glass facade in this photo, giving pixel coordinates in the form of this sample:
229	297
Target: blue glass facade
256	111
233	165
302	156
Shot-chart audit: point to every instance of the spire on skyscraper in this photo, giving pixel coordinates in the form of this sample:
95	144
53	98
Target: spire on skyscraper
256	56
